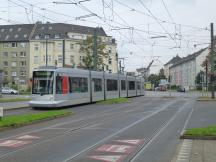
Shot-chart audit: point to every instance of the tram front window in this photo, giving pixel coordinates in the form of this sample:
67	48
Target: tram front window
42	82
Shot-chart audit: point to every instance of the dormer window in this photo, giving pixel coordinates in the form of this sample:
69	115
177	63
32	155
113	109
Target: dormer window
19	29
11	29
37	36
2	30
57	36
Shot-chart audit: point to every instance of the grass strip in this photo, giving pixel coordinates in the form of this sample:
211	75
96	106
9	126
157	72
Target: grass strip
2	100
19	120
113	101
201	132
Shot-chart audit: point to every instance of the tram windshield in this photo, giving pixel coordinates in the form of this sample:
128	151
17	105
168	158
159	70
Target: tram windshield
42	82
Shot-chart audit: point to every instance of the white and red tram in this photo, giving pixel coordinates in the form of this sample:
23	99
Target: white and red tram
58	87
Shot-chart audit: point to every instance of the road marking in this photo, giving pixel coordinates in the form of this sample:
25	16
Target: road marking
116	148
185	151
121	130
157	133
27	137
13	143
131	141
114	158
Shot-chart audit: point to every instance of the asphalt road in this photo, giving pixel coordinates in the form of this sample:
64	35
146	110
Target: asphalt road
145	129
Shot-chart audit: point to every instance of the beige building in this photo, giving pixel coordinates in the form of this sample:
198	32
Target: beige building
63	42
28	46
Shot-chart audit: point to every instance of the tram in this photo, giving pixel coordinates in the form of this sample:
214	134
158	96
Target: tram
57	87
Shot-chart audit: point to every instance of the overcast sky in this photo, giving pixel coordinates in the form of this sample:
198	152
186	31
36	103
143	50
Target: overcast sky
180	24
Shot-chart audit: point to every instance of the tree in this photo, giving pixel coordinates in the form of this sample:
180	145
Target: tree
87	48
154	79
161	74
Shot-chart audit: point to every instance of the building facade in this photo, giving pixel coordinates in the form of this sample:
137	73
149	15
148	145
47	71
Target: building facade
29	46
183	73
168	65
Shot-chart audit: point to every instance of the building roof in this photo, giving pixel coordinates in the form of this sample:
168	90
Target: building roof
62	30
188	58
25	32
173	60
20	32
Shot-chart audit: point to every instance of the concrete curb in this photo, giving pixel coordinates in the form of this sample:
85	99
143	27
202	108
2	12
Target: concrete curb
18	107
198	137
206	99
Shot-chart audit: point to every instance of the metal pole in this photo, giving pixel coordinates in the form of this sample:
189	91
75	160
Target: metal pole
212	61
63	53
46	35
95	49
206	75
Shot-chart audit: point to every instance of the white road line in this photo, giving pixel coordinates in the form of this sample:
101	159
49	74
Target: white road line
120	131
158	133
65	133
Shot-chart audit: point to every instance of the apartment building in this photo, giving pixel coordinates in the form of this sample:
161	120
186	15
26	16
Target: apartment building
27	46
183	73
14	53
168	65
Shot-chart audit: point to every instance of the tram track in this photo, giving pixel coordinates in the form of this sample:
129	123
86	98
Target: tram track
86	124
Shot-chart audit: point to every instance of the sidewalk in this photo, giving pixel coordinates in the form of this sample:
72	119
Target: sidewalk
196	151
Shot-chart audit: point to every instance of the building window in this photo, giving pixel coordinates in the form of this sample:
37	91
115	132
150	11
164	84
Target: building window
110	51
14	44
59	45
78	85
23	63
57	36
14	54
110	61
5	64
47	36
71	46
36	47
14	73
5	73
81	58
71	59
123	85
36	59
49	58
22	73
112	85
22	82
13	64
6	45
22	54
5	54
37	36
131	85
60	58
23	44
97	84
44	58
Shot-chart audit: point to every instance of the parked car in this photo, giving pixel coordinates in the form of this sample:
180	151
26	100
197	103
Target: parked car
7	90
180	89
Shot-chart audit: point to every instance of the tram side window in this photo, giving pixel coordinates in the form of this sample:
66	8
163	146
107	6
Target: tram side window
123	85
112	85
78	85
131	85
97	84
58	85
